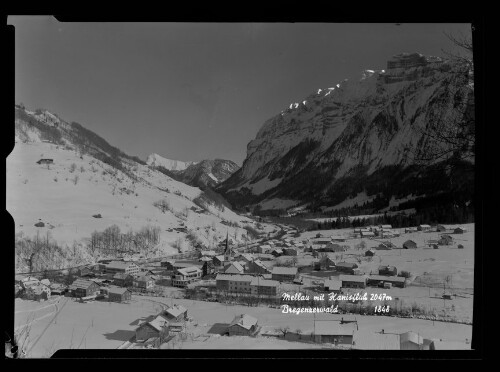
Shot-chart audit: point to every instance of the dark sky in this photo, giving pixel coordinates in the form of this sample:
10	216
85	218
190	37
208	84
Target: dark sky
193	91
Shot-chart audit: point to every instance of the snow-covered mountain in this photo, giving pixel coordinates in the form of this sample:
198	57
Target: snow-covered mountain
156	160
354	138
88	186
206	173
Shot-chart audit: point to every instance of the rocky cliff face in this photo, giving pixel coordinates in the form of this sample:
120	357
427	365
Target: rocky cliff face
354	137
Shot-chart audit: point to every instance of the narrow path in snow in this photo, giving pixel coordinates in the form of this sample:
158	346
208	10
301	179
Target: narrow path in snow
50	323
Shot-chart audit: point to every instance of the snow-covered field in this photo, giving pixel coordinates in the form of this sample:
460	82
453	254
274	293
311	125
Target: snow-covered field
103	325
65	197
432	270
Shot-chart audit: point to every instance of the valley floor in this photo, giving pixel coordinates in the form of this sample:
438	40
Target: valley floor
63	323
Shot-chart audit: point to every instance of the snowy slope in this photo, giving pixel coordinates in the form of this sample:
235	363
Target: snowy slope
66	194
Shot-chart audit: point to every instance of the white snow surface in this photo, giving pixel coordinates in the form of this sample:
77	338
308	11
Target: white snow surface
158	160
51	195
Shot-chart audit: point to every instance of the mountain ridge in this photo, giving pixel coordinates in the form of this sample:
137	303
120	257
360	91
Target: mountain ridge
365	129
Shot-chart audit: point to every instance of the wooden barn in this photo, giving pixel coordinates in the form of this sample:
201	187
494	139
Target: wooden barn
243	325
346	267
176	314
157	327
387	270
119	294
123	280
370	253
84	288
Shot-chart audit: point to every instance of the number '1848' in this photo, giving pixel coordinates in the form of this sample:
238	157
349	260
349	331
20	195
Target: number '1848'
381	309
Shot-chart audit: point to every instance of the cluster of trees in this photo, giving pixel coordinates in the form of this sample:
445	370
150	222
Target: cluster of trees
439	214
39	253
113	240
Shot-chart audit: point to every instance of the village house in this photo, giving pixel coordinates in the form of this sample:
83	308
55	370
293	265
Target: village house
155	328
263	287
352	281
334	333
234	268
243	325
380	280
440	228
387	270
234	283
123	280
122	267
284	274
459	230
411	341
84	288
38	292
423	227
409	244
258	267
119	294
144	282
346	267
334	286
219	261
183	277
410	229
385	227
176	313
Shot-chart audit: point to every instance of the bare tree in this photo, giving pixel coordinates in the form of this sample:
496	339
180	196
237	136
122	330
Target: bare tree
450	139
284	330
